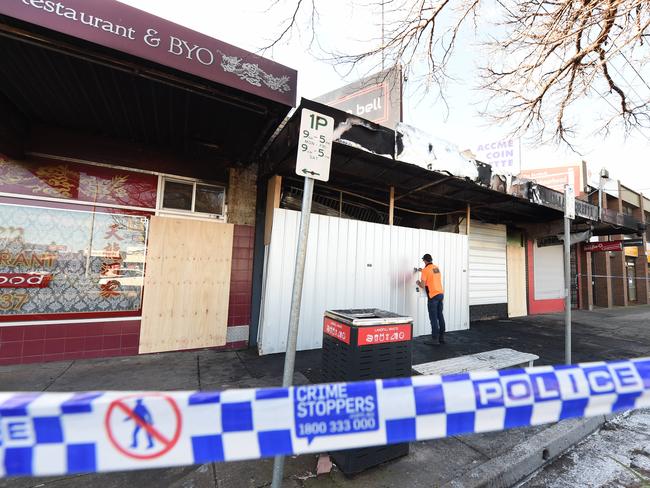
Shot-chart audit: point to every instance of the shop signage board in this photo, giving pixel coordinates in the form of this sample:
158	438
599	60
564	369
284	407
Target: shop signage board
117	26
555	199
586	210
556	177
612	245
504	155
632	251
632	242
604	246
377	97
315	145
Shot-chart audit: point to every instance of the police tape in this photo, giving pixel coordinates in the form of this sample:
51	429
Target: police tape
44	434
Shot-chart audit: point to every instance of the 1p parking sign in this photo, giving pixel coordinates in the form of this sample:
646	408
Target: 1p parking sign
315	145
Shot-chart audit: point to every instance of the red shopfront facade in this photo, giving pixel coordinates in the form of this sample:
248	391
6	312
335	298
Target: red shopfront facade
73	259
105	138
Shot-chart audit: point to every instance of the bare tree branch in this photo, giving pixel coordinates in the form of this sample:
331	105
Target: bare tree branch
548	60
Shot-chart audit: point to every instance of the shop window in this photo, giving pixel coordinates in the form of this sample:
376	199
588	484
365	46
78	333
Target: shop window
57	262
193	197
178	196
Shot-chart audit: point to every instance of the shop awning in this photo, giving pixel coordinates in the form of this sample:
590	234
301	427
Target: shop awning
105	68
363	163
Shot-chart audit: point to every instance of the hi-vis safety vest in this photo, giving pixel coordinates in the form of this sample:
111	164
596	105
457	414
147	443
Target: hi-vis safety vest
432	279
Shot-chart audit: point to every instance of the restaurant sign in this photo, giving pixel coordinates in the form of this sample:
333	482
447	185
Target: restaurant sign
603	246
115	25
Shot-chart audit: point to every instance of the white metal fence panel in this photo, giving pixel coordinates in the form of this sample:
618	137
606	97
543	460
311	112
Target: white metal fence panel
354	264
488	278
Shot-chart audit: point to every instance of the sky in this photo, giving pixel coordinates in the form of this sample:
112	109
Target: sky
344	25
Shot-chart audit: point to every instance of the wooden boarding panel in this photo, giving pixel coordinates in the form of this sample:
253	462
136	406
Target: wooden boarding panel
187	285
516	259
482	361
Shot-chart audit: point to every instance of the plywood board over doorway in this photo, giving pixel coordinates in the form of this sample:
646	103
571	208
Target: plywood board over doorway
187	283
516	258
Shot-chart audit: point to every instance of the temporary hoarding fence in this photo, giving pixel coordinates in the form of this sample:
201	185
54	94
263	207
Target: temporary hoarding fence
354	264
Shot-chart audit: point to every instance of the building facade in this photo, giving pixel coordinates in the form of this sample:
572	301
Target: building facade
614	269
128	182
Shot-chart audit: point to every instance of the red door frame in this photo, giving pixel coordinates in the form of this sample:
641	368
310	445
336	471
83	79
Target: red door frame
539	306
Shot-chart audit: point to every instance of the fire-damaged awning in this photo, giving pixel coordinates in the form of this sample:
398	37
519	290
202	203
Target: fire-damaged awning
365	162
105	68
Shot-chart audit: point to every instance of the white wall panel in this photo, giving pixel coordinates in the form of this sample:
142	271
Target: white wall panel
354	264
488	278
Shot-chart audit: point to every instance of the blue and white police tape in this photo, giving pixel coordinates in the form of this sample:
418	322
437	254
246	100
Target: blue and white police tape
64	433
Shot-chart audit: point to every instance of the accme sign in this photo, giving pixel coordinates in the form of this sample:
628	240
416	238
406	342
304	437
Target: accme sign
504	155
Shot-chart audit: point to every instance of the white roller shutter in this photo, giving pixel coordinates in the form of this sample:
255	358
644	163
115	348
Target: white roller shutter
488	278
549	272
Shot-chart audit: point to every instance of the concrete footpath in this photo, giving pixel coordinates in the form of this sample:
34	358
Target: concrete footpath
617	455
494	459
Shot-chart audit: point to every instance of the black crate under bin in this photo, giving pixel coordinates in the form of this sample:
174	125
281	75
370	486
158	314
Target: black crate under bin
366	344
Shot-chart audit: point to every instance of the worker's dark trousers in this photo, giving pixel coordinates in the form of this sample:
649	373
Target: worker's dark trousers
435	316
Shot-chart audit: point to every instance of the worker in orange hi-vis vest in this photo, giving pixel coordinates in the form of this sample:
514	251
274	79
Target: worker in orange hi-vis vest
431	281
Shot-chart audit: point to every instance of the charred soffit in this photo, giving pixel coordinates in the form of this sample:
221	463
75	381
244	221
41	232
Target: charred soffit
358	168
71	84
425	191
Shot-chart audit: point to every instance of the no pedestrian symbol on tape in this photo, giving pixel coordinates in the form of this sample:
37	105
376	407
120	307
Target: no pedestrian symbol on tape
143	426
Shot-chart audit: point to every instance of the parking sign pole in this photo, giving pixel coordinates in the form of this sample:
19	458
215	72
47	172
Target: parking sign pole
294	315
313	159
567	286
569	214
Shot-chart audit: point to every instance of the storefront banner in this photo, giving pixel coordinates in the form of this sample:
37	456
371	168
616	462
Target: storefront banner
57	262
603	246
125	29
54	434
81	182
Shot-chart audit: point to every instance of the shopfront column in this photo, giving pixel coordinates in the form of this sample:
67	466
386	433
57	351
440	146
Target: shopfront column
641	267
602	269
618	268
586	277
